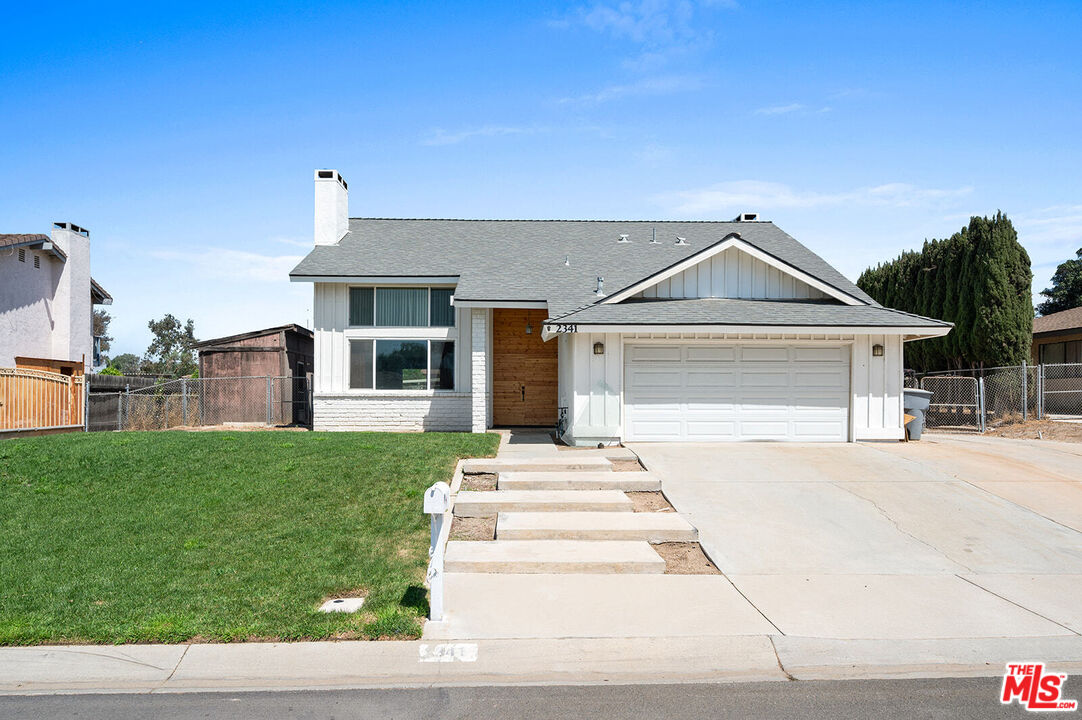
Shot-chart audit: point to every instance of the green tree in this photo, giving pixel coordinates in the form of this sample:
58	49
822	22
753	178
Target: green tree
1066	290
172	352
979	279
101	320
126	363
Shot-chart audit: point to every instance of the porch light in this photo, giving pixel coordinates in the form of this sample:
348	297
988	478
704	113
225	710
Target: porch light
877	351
529	328
599	348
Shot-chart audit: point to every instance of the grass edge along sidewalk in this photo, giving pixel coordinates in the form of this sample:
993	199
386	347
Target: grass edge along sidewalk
217	536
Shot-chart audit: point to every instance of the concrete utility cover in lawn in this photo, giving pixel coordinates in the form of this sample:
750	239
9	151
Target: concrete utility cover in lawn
947	537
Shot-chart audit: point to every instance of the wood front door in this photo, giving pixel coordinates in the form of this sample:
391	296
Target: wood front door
524	384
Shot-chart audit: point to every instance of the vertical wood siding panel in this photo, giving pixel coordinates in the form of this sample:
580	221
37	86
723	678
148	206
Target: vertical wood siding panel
861	356
704	279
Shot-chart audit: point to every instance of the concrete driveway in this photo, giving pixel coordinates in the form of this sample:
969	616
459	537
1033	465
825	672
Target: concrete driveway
950	537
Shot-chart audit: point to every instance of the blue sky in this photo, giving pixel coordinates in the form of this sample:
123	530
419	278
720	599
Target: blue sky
184	136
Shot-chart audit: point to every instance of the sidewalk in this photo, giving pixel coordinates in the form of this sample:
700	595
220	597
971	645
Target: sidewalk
358	664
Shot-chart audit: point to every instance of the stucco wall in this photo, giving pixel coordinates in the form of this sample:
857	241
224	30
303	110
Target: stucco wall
28	316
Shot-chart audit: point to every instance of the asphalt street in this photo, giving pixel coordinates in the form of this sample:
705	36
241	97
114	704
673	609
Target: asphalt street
957	699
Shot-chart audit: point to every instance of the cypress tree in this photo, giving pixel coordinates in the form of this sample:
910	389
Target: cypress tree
979	278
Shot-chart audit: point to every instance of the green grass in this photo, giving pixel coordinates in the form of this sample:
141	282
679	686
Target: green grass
223	536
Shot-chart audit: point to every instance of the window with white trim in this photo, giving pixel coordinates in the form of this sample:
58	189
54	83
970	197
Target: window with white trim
424	360
401	307
407	364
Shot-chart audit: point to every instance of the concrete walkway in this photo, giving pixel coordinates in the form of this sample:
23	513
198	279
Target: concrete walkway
949	537
362	664
574	562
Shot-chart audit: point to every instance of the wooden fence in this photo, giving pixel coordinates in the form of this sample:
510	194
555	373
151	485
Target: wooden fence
40	400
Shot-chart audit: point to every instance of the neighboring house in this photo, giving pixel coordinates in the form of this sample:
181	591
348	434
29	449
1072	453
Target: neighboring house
47	296
618	330
1057	338
278	352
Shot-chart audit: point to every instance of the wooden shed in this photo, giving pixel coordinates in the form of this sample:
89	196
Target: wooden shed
284	354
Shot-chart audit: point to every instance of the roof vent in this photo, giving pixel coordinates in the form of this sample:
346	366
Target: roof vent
653	236
600	292
567	261
747	217
681	241
624	239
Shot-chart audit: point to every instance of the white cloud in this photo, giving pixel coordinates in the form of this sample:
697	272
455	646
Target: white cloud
229	264
648	22
302	242
439	136
666	85
780	109
791	108
762	196
1057	225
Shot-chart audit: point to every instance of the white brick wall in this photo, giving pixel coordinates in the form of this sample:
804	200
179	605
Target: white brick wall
479	370
393	412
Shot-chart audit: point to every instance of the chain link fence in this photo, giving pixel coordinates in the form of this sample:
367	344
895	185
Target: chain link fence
976	400
204	402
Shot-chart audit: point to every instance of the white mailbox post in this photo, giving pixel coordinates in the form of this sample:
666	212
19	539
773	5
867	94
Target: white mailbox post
437	503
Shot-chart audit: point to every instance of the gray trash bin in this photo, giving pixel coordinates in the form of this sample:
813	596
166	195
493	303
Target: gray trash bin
915	402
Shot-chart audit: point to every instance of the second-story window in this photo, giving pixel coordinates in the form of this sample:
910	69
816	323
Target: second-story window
401	307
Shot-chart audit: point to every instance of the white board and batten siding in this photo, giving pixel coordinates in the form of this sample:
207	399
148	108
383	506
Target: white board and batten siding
733	273
338	407
877	388
831	385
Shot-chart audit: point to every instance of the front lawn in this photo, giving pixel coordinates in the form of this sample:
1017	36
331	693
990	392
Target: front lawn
218	536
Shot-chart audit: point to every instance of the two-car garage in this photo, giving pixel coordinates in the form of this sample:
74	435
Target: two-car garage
709	391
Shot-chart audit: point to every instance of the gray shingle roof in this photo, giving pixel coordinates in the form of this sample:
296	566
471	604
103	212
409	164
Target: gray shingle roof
31	240
524	259
723	311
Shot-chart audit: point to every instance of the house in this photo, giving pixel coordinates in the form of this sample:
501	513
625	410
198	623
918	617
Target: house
283	353
1057	338
616	330
46	298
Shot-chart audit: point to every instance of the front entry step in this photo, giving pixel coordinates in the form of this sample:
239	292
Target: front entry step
487	503
538	464
552	556
598	526
632	481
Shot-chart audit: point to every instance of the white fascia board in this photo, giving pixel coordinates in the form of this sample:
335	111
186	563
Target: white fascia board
926	333
511	304
732	241
917	333
379	279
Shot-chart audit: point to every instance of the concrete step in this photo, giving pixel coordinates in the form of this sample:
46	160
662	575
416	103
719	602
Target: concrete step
651	527
552	556
583	480
486	503
613	451
557	463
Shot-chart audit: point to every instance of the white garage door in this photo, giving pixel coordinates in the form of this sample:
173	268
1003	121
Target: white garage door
736	392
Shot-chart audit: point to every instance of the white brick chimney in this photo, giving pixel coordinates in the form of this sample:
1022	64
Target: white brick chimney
332	207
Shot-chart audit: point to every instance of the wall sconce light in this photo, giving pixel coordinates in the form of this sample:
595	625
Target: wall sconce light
599	348
529	329
877	351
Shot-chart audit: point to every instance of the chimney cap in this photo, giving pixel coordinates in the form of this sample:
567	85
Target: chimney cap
747	217
72	227
331	175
